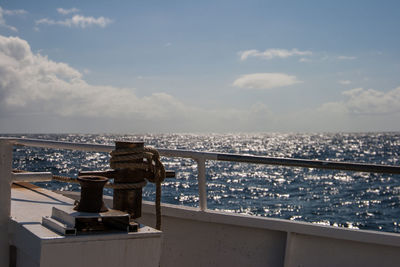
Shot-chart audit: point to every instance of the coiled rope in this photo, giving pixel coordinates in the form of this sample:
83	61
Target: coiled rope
142	158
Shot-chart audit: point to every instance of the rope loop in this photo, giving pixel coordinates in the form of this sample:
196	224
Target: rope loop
142	158
130	158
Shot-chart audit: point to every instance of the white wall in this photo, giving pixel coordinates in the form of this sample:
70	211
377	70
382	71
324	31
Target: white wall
195	238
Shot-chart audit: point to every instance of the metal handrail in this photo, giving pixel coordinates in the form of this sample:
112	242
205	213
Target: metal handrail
202	157
196	155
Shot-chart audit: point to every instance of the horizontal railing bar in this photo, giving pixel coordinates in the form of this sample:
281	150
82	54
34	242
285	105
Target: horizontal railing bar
188	154
59	144
346	166
318	164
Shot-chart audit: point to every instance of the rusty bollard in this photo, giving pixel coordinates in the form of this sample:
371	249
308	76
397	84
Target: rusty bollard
92	194
129	200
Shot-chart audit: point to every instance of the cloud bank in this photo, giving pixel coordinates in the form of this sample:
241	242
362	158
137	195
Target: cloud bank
265	80
64	11
372	102
272	53
40	95
32	82
76	21
34	89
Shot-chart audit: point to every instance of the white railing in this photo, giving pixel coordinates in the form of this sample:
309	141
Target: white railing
7	177
202	157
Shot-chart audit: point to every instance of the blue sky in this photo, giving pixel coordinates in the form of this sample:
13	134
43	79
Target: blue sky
199	66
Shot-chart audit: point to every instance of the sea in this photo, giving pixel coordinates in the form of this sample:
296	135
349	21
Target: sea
329	197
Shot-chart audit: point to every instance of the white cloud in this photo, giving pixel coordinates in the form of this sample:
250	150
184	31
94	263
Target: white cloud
40	95
33	84
360	110
83	22
272	53
344	82
77	21
10	13
64	11
248	53
346	57
370	101
265	80
46	21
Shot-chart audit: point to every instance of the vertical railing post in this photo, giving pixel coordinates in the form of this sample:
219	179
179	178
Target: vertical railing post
5	199
201	178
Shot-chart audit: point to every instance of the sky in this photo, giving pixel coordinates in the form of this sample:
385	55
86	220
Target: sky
199	66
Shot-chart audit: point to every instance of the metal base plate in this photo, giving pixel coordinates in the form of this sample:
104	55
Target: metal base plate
67	221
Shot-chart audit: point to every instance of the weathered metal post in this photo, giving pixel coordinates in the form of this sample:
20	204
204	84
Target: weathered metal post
201	177
5	199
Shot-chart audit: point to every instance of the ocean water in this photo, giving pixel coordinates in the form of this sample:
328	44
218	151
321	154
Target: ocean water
338	198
